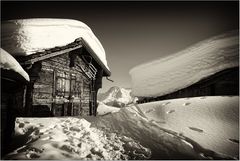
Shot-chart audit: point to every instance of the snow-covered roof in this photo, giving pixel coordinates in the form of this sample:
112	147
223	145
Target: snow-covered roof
180	70
9	63
28	36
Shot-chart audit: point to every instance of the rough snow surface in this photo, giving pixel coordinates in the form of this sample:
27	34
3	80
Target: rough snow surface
180	70
104	109
28	36
72	138
188	128
8	62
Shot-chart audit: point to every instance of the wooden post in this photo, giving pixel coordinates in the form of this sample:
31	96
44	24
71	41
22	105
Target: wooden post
34	75
91	99
53	93
97	85
29	99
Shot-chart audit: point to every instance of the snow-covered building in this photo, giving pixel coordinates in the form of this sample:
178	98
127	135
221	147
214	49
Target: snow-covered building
65	63
13	79
210	67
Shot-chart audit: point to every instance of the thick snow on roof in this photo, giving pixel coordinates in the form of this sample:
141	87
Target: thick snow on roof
9	63
28	36
180	70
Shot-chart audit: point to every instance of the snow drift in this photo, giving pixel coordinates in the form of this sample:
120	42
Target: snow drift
28	36
117	97
180	70
104	109
9	63
187	128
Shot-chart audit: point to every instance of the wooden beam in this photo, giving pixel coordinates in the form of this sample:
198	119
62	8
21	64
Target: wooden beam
53	54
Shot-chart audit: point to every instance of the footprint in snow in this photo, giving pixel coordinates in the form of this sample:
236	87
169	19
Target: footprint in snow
22	149
195	129
36	132
148	111
33	153
21	125
40	125
202	97
234	140
165	103
67	148
171	111
161	122
186	104
46	138
158	122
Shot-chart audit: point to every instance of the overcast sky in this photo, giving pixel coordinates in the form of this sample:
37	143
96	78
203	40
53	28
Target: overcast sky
136	32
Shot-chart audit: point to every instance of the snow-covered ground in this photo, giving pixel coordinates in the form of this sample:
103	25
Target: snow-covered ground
28	36
208	125
184	68
103	109
188	128
71	138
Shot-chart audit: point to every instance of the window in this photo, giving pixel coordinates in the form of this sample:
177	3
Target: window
75	86
63	84
68	84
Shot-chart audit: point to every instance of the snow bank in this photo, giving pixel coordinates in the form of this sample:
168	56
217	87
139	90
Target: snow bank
189	128
7	62
178	71
104	109
28	36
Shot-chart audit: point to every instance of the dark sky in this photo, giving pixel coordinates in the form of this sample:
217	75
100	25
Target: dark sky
136	32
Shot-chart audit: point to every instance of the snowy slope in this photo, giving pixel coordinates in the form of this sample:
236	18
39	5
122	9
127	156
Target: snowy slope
208	125
180	70
28	36
9	63
116	96
103	109
189	128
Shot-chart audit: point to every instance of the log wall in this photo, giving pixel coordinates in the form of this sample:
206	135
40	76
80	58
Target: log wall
51	94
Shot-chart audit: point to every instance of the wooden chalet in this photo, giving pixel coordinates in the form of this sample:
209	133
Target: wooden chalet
224	83
207	68
65	62
55	72
64	81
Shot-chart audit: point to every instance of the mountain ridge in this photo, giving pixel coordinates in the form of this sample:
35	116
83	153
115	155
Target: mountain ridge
116	96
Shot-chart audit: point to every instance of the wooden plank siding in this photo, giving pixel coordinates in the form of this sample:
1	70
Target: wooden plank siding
52	95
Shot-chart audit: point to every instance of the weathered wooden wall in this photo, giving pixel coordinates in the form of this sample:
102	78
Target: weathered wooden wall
222	83
49	95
